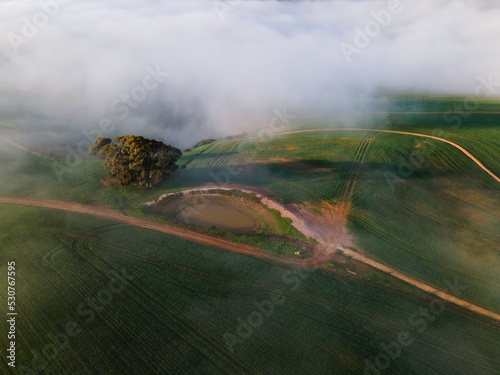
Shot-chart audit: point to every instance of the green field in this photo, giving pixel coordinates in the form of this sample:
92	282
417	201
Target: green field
181	298
441	222
434	219
312	170
417	205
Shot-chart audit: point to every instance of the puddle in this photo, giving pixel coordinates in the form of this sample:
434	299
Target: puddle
218	216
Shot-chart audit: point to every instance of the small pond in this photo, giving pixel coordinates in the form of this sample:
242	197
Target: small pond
218	216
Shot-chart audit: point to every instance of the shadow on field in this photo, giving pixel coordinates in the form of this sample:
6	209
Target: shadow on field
300	170
212	155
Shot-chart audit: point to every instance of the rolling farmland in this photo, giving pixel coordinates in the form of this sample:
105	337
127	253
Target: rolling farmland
176	305
250	187
444	192
412	202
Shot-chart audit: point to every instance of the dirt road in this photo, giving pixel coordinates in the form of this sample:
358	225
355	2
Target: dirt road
315	262
16	145
463	150
19	147
106	213
441	294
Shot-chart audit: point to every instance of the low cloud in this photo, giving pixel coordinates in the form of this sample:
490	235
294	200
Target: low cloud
226	74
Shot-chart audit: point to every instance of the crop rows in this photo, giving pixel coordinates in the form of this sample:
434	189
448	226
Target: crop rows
172	316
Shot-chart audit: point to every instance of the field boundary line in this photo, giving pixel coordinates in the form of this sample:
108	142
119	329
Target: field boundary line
463	150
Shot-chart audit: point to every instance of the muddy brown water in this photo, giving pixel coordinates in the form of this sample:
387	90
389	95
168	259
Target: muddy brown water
218	216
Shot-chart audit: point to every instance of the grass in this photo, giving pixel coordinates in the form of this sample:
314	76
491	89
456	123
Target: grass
183	297
25	174
435	223
275	233
298	168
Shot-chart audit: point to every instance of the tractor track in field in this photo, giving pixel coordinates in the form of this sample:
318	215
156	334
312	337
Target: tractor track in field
315	262
463	150
348	185
343	208
324	254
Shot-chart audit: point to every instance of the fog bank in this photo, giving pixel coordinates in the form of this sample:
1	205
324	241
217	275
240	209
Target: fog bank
189	70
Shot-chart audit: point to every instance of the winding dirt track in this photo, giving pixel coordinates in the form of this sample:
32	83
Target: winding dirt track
393	272
16	145
109	214
315	262
463	150
441	294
